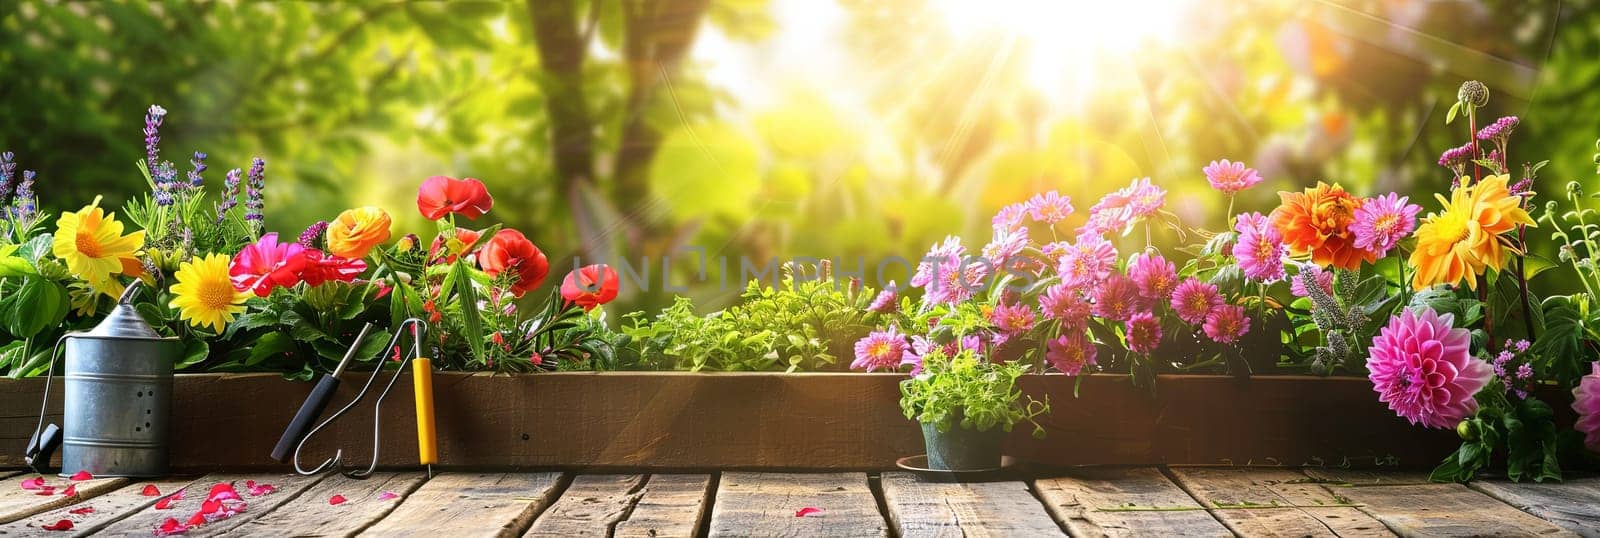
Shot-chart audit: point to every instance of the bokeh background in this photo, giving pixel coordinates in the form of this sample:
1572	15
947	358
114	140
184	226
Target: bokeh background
761	128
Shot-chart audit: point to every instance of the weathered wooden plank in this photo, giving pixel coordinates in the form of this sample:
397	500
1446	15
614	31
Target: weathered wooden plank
921	508
313	514
145	521
1125	501
1335	476
1573	505
765	504
17	503
105	509
591	506
673	505
1277	502
463	504
1447	510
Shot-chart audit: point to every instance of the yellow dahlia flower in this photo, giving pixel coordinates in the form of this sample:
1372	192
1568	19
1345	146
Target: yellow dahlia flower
357	231
91	243
205	295
1464	238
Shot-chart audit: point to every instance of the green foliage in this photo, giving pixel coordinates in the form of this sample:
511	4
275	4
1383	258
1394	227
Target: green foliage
299	332
969	392
1522	431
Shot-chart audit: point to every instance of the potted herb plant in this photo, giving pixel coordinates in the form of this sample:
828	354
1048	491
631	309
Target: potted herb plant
966	406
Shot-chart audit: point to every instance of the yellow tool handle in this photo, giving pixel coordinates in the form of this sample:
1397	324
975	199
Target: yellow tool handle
422	381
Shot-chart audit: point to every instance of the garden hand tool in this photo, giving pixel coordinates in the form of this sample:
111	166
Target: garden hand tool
417	327
315	403
422	383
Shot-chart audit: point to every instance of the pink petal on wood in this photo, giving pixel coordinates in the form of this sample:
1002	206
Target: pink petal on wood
336	500
170	527
150	491
81	476
36	482
803	512
63	525
82	511
388	495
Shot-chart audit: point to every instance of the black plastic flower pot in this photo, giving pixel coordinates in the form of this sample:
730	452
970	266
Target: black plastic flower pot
961	449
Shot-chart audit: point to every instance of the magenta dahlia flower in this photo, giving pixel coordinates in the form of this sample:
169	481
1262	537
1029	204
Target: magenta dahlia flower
1049	207
881	349
1230	177
1143	332
1194	299
1260	250
1226	324
1154	275
1070	352
1586	402
1382	222
1012	319
1423	368
1117	298
1063	303
1087	262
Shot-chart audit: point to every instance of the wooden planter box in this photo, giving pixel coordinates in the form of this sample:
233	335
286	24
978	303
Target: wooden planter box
680	421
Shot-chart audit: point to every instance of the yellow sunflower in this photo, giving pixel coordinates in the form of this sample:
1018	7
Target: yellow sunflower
92	244
205	295
1464	239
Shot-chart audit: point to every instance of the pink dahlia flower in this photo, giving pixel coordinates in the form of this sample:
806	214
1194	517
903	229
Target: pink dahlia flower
1117	298
1586	401
1070	352
1382	222
1226	324
1154	275
1260	250
1423	368
1194	299
1143	332
1230	177
1049	207
1063	303
1012	319
882	349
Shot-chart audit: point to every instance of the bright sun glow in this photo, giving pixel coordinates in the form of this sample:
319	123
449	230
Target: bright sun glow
1065	39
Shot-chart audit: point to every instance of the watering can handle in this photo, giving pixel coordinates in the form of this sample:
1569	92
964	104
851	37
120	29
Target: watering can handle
45	440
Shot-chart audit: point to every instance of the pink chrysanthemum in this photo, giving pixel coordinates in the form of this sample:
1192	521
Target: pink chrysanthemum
1382	222
1144	198
938	256
1049	207
1423	368
1260	248
881	349
1226	324
1194	299
1009	217
1314	273
1053	250
1070	352
1117	298
1154	275
1007	243
1087	262
1012	319
887	301
947	276
1143	332
1063	303
1230	177
1586	402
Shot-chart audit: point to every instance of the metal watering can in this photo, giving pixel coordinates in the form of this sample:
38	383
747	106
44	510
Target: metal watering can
118	399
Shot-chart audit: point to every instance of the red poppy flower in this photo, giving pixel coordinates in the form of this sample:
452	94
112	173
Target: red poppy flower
510	251
591	286
440	196
444	251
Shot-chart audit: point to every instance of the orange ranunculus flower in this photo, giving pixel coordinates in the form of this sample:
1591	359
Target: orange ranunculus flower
356	231
1316	222
510	251
1466	236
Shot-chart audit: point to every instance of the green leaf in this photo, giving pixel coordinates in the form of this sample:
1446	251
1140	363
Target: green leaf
268	345
194	352
35	305
1454	110
471	323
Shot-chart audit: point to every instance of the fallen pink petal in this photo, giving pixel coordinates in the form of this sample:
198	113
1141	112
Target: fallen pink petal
71	489
170	527
33	483
388	495
223	492
803	512
63	525
81	511
150	491
81	476
336	500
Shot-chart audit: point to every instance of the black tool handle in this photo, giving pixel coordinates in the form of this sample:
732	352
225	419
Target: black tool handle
41	447
309	411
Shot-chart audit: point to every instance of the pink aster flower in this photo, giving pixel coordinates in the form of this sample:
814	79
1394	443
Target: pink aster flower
1230	177
938	256
1063	303
881	349
1382	222
887	301
1194	299
1009	217
1049	207
1423	368
1117	298
1053	250
1087	262
1070	352
1144	198
1586	402
1012	319
1260	250
1313	273
1154	275
1226	324
1007	243
1111	214
1143	332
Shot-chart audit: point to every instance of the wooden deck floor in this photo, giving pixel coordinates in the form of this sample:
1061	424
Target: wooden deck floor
1085	502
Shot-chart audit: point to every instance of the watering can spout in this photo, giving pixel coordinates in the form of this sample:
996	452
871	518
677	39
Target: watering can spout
127	294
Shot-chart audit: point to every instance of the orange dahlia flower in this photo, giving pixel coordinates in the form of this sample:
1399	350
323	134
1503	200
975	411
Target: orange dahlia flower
1316	222
1465	237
